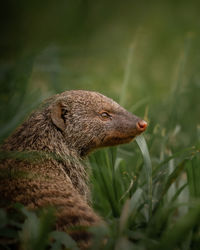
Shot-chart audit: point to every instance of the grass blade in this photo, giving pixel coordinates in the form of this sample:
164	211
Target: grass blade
148	169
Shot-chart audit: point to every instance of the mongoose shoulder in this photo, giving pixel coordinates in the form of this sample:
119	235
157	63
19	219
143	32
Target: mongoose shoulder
63	131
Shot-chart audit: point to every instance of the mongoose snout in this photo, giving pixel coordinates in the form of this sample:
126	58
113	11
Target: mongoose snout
141	125
65	129
123	127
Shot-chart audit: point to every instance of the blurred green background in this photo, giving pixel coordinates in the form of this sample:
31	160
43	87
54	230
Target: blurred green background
146	56
152	46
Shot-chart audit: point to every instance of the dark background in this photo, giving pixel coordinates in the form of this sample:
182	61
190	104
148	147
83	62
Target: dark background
151	47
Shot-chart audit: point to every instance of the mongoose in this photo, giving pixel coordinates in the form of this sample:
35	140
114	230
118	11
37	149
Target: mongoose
63	131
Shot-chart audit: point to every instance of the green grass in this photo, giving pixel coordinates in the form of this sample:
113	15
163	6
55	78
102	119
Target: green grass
148	193
149	198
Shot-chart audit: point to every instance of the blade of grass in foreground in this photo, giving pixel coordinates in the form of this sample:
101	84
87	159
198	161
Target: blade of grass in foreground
177	233
148	169
193	176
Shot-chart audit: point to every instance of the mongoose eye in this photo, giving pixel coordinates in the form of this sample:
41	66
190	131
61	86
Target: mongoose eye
105	115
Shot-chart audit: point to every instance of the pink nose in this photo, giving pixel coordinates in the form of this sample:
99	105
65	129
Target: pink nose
141	125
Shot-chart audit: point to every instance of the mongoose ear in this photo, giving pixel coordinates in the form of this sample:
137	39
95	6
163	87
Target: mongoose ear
57	116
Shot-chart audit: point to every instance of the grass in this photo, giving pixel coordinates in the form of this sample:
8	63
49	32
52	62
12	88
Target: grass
149	202
150	199
127	208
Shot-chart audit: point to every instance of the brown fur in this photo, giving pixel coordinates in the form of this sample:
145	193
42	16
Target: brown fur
64	130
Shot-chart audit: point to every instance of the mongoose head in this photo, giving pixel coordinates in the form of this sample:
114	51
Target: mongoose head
89	120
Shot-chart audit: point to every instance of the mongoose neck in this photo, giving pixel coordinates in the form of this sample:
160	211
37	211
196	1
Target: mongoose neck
38	134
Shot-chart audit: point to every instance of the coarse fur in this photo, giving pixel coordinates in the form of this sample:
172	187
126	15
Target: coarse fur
62	132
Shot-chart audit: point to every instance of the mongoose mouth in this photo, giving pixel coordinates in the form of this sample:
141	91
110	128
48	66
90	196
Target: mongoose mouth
111	140
123	140
118	139
125	136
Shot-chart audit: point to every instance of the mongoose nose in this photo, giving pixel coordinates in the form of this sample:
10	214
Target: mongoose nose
141	125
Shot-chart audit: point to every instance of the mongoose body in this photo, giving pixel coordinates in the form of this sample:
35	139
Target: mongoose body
62	132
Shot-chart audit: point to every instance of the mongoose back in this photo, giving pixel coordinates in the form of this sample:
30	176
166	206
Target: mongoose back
63	131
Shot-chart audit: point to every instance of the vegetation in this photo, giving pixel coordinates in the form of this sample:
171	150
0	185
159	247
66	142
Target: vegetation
145	56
